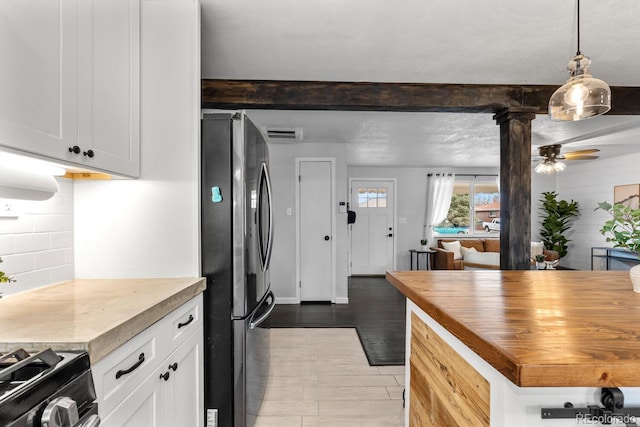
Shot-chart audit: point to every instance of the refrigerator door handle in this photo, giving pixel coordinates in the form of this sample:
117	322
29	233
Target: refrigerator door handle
255	323
265	185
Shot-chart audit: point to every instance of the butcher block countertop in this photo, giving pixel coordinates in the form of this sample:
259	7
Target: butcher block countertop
96	315
538	328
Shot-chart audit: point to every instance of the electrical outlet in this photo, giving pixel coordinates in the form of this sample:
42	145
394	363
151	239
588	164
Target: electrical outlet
7	209
212	418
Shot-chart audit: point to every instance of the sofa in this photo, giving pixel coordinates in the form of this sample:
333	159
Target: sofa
479	253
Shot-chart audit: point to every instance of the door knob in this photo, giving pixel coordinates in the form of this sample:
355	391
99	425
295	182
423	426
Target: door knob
326	237
390	235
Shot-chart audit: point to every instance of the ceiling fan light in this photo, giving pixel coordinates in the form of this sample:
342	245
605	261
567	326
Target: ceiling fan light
559	166
545	167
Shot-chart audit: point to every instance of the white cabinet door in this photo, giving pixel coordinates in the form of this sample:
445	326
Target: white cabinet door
109	85
38	76
185	401
142	408
70	82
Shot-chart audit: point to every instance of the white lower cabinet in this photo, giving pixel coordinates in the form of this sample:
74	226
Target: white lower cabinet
168	396
156	378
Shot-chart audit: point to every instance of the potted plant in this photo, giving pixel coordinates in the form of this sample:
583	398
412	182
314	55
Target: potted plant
623	229
540	265
4	278
423	244
556	221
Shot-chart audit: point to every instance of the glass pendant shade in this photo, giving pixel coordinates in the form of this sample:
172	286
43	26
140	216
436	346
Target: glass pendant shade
549	166
582	96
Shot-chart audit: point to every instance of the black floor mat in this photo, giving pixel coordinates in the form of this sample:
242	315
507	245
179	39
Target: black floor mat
376	309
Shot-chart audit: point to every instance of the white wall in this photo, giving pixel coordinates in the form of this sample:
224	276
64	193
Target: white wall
589	183
149	227
37	247
282	158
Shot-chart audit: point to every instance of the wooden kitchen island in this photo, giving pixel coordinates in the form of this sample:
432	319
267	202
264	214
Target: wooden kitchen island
492	348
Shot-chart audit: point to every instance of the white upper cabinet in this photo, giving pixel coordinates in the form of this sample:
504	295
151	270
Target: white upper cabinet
109	85
39	75
71	81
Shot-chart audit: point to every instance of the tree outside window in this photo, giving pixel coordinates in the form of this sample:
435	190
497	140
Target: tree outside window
462	213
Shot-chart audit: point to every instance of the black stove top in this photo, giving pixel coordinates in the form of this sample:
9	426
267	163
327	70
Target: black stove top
29	382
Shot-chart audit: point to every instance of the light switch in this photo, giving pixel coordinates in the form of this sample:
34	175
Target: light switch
289	211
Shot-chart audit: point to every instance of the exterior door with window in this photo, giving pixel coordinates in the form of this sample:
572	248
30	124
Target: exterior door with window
372	235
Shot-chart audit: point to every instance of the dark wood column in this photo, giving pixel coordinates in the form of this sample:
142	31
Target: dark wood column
515	187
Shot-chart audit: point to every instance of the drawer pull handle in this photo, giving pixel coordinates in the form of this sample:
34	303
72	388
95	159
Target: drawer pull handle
174	366
131	369
189	320
165	376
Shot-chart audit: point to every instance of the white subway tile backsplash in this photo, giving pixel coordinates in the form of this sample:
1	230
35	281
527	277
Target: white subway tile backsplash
35	207
27	281
61	240
32	242
49	259
48	223
22	224
18	263
37	247
62	273
7	245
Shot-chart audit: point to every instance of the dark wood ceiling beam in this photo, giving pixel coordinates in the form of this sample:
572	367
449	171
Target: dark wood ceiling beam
361	96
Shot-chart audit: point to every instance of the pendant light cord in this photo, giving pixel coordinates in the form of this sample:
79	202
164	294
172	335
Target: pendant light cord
578	52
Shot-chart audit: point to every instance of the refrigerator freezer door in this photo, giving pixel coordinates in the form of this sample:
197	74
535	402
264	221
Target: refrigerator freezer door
251	363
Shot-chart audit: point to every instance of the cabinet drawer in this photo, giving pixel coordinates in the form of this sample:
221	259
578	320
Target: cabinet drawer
185	320
120	372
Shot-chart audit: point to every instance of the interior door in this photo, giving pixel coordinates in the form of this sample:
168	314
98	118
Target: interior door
315	216
372	235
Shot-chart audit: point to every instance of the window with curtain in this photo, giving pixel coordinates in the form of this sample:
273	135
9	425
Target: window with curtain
472	204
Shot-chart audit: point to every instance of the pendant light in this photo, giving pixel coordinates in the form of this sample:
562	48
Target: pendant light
582	96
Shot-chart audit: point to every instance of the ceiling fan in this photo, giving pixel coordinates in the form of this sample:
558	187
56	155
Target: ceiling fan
550	157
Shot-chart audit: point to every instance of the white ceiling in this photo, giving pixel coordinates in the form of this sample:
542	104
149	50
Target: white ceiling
429	41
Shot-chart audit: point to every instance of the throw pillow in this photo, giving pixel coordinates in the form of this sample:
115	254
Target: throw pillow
453	247
490	258
464	251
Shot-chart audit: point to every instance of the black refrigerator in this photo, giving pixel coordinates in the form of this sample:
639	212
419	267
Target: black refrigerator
236	243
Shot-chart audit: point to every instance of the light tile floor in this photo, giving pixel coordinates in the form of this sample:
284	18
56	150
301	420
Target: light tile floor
321	378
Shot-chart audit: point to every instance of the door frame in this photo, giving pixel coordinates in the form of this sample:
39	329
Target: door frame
332	161
394	183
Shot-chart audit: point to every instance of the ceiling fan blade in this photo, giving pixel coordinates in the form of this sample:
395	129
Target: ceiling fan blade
579	152
581	157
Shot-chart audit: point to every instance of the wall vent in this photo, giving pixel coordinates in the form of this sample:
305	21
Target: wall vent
284	135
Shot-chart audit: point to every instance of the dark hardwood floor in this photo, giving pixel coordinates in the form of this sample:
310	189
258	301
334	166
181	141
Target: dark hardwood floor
376	309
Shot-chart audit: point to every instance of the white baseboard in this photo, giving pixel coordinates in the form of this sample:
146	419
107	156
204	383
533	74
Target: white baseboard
342	300
287	300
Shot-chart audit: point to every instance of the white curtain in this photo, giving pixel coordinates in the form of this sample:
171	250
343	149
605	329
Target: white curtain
439	192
